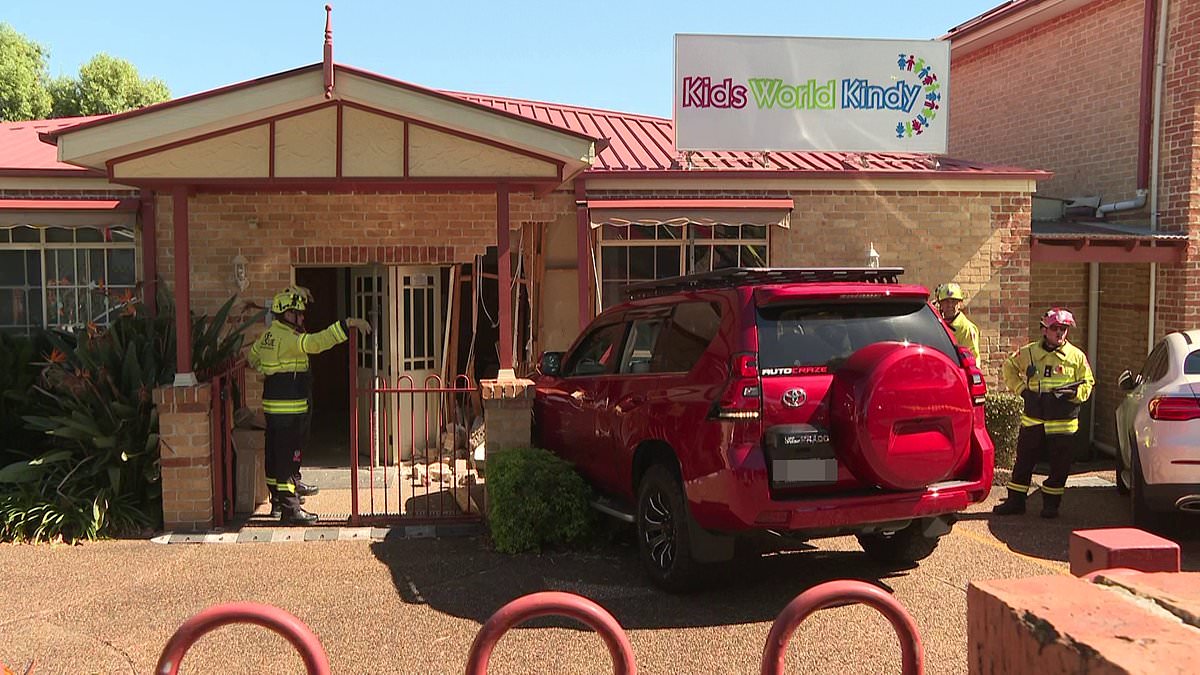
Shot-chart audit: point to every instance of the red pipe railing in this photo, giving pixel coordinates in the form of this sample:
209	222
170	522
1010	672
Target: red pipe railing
836	594
292	629
552	603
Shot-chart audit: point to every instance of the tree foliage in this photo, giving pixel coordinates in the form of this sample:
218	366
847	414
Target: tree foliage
24	92
105	84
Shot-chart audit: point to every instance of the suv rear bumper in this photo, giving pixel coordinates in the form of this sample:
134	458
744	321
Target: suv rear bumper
738	499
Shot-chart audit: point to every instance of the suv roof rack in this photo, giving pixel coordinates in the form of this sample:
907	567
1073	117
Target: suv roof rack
759	276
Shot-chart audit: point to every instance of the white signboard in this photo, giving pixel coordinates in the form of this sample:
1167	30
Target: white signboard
786	93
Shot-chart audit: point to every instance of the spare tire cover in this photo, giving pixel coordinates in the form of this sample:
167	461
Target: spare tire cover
901	415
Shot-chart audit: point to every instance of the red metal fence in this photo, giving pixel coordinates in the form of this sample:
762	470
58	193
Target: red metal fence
415	437
228	395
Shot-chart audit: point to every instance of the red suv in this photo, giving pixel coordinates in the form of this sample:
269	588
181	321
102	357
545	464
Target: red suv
798	403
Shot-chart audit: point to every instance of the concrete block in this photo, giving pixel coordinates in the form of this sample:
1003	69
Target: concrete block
1059	624
1111	548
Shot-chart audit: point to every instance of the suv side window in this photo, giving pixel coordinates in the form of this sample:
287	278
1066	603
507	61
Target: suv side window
1156	364
597	353
639	347
692	327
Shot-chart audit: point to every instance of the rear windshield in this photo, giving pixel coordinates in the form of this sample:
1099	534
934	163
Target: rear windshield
822	336
1191	363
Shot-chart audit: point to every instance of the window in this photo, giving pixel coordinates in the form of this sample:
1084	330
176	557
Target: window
64	277
639	348
597	353
1156	365
825	335
692	327
634	253
1191	363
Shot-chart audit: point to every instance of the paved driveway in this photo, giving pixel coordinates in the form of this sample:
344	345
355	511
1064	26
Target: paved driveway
414	606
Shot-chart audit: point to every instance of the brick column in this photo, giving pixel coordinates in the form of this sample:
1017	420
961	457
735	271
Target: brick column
185	448
507	413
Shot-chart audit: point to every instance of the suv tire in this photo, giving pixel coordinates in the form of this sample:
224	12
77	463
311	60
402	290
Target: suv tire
664	541
900	547
1122	486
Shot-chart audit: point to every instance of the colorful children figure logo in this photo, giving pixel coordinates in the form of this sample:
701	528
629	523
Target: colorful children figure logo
933	96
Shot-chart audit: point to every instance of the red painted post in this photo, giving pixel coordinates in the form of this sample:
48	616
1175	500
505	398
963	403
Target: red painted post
354	518
836	593
552	603
294	630
183	297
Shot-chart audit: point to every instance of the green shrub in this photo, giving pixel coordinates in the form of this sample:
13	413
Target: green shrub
535	499
94	469
1002	412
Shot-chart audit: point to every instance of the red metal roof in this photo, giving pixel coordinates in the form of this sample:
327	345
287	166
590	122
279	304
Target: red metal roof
640	143
21	151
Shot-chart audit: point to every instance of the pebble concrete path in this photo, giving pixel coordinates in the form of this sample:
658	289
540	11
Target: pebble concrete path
391	604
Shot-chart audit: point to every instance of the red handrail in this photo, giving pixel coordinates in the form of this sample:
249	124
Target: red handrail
552	603
283	623
837	593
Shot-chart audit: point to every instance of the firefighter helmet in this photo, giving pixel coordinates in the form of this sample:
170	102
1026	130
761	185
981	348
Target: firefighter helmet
950	291
292	297
1057	316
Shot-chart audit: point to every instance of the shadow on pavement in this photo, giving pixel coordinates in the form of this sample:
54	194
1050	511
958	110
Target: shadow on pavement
464	578
1083	508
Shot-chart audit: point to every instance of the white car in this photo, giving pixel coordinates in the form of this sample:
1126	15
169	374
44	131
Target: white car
1158	431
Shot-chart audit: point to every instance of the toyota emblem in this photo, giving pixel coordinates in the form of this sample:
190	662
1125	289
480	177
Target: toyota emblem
794	398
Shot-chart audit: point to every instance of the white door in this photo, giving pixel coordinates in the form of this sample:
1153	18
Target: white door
369	301
416	354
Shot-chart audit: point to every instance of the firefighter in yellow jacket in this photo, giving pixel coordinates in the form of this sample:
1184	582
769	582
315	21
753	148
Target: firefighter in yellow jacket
949	298
1054	379
281	354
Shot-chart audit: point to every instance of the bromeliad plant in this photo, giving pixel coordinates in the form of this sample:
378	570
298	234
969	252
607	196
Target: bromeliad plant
97	471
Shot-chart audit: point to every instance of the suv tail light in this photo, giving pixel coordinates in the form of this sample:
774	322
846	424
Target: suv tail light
1174	408
974	376
742	396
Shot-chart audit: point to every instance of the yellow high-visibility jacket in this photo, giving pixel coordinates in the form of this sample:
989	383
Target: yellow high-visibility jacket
281	353
1033	373
966	333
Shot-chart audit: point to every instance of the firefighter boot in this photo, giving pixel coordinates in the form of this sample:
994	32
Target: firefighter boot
306	490
1013	506
277	510
298	517
1050	504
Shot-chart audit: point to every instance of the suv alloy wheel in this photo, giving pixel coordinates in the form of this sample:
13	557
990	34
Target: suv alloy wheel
664	544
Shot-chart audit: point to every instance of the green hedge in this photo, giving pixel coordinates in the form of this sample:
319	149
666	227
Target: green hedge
1003	414
535	499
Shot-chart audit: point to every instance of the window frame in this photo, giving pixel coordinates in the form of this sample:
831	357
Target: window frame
46	251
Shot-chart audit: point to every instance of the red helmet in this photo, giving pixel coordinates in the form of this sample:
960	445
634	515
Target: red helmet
1058	316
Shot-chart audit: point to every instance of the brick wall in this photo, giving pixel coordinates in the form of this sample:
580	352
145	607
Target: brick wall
508	414
980	240
1124	313
1062	96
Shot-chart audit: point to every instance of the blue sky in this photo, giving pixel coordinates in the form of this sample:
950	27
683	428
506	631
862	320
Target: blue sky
612	54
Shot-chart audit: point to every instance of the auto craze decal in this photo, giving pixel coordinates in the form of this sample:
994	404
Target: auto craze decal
795	370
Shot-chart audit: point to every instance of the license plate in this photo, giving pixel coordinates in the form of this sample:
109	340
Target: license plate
805	470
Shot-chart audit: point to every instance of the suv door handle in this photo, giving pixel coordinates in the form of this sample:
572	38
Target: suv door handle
580	396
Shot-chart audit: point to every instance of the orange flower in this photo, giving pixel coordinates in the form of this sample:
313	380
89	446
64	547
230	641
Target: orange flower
56	357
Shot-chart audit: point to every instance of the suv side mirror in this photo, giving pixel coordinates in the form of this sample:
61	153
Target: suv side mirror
550	363
1128	381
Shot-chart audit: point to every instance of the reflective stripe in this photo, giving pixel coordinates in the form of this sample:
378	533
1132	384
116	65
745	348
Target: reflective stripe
1053	491
285	487
271	482
1027	421
1017	487
1059	427
290	407
285	366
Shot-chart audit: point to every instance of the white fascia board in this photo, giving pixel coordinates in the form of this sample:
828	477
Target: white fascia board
94	146
1015	24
